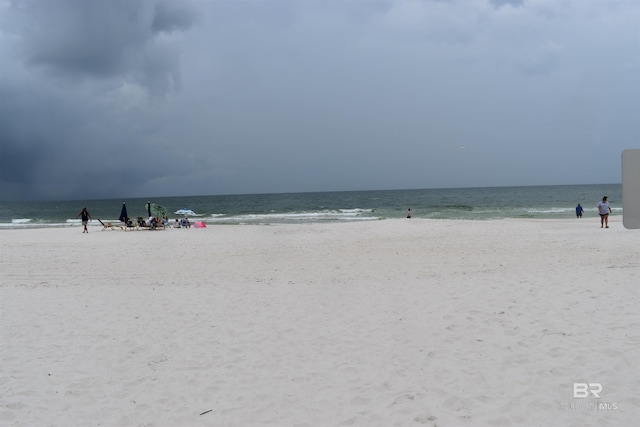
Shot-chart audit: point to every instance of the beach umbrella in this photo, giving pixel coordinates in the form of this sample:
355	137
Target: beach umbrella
123	213
149	208
157	210
185	211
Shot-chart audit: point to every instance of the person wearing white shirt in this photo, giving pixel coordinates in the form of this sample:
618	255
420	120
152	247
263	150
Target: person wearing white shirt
604	210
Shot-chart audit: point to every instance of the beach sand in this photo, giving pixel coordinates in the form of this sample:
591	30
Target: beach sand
381	323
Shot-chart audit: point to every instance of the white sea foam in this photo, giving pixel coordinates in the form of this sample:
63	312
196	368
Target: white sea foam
21	220
315	216
19	223
550	210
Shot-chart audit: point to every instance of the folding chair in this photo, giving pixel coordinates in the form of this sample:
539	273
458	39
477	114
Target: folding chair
106	226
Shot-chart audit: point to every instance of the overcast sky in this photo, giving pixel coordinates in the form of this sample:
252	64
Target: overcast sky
125	98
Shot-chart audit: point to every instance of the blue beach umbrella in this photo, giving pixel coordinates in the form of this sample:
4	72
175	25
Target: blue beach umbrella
123	213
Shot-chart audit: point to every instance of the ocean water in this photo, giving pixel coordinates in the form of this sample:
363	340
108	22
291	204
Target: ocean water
286	208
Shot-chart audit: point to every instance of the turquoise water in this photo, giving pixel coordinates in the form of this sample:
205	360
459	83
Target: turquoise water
459	203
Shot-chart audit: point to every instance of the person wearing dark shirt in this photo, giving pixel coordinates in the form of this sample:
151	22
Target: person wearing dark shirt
86	217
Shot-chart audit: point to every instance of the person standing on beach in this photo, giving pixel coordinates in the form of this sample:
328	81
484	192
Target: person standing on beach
604	209
86	216
409	213
579	211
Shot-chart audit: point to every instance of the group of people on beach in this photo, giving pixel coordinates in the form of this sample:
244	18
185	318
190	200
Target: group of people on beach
151	222
604	209
154	222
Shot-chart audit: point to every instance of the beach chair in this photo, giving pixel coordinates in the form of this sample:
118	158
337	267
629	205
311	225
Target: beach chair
129	225
106	226
141	222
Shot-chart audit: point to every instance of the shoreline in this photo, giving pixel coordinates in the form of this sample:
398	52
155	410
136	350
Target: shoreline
401	321
117	225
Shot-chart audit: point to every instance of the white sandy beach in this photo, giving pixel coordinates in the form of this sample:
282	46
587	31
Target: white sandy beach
381	323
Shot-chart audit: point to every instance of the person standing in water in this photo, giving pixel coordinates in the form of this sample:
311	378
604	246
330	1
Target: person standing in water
86	217
579	211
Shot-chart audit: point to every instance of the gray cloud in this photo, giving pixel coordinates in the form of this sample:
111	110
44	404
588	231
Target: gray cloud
499	3
170	17
148	98
78	39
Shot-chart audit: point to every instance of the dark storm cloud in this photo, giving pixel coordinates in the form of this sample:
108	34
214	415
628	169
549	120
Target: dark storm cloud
103	39
78	52
141	98
30	134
